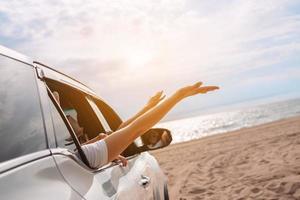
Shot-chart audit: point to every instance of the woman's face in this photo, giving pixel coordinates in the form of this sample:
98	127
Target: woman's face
154	138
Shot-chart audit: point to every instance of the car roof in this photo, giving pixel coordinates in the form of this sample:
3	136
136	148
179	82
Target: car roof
49	72
55	75
15	55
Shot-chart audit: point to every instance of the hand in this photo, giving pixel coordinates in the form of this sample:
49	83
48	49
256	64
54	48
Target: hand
195	89
154	100
101	136
123	161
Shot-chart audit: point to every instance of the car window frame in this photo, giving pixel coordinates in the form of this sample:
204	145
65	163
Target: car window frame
42	87
99	114
48	125
110	108
51	100
67	124
66	152
63	79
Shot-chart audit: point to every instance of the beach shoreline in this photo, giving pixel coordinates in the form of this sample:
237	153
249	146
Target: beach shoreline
260	162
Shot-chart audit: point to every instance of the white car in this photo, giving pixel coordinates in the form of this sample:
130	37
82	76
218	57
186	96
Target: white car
40	155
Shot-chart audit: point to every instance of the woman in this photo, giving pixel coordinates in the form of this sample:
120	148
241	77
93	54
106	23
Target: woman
105	150
82	136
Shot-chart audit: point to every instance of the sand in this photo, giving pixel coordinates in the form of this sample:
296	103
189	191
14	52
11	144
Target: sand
261	162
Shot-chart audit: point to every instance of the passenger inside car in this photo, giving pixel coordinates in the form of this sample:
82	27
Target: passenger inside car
82	137
72	115
73	122
85	108
102	151
80	133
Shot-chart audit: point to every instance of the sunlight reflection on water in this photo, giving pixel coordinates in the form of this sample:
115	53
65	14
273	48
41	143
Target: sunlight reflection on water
204	125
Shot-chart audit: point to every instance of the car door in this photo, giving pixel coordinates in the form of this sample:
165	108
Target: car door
109	182
27	170
142	168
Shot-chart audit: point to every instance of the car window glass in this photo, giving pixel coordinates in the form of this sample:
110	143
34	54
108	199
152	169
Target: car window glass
112	118
21	125
99	114
62	134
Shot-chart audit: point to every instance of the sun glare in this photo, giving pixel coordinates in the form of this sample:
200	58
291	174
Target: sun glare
138	59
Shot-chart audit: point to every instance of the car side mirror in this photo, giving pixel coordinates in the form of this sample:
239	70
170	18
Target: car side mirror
156	138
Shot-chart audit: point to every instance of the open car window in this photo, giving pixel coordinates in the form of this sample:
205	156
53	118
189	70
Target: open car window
87	115
77	110
99	114
63	137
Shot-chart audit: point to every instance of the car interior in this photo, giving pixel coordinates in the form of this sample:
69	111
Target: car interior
88	112
74	104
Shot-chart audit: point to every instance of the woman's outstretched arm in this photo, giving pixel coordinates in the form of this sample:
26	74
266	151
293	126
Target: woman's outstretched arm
153	101
119	140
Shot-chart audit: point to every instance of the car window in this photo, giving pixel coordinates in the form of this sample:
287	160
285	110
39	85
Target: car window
99	114
78	110
21	125
62	134
71	112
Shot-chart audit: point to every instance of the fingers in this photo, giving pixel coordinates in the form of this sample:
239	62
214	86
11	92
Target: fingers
206	89
161	98
123	160
157	95
198	84
102	136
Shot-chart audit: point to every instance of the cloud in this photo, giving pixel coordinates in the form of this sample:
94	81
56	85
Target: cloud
137	47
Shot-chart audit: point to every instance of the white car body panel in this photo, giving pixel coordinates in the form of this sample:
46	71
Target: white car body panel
147	166
39	179
88	184
114	182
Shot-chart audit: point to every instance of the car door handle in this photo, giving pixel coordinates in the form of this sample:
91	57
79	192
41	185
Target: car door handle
145	181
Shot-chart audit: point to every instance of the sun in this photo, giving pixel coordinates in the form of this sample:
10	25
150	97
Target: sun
138	59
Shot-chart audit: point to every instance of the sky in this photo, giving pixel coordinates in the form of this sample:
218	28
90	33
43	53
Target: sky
128	50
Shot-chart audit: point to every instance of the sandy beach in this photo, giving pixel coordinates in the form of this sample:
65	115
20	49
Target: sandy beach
261	162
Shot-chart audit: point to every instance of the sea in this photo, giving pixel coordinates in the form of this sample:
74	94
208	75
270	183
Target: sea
231	119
